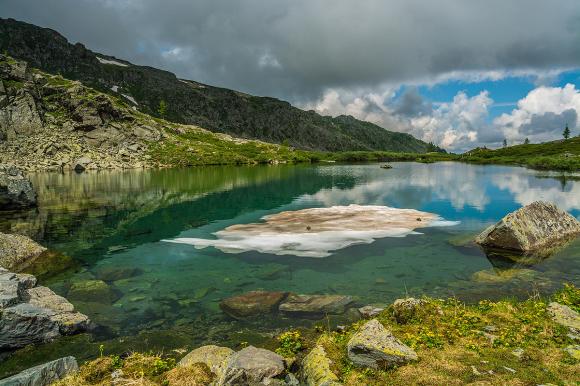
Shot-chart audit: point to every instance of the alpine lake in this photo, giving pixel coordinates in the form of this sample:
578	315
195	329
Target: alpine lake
164	297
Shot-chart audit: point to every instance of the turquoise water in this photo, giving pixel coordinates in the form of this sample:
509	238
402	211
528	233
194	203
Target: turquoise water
166	296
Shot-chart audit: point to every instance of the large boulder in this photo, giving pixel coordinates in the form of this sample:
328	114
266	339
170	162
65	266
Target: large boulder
530	228
375	347
214	357
316	369
18	252
44	374
315	306
252	366
252	303
16	190
34	314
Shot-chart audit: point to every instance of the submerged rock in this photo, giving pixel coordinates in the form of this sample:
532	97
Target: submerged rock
564	315
30	314
117	273
252	303
375	347
250	366
214	357
404	310
17	251
315	306
92	291
530	228
16	190
316	369
503	275
44	374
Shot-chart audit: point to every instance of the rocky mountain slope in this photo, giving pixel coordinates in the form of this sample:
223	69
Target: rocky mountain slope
50	123
189	102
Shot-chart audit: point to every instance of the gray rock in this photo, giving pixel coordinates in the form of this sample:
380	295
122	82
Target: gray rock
16	190
17	251
250	366
530	228
31	314
44	374
82	164
252	303
564	315
315	306
370	311
375	347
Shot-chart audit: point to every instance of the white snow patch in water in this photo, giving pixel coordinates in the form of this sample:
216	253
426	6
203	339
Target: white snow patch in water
316	232
130	98
113	62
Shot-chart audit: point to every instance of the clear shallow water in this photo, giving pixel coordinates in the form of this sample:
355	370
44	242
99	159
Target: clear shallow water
118	219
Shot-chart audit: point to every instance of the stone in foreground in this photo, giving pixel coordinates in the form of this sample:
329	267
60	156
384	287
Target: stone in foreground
16	190
315	306
564	315
215	357
250	366
30	314
17	251
44	374
375	347
530	228
316	369
252	303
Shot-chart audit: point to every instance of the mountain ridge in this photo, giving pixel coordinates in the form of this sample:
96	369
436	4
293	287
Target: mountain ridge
190	102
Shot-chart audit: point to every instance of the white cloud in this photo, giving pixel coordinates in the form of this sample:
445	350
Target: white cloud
542	114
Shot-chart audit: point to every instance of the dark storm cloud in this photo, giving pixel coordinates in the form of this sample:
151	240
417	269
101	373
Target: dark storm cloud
412	104
294	49
550	122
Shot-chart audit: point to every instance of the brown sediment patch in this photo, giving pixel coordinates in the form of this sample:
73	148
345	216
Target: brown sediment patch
315	232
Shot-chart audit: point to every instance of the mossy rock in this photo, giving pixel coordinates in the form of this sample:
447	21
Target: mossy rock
96	291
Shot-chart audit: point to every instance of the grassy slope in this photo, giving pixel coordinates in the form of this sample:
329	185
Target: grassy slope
447	335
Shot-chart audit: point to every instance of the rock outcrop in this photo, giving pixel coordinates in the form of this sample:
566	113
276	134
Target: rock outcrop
252	366
16	190
43	375
252	303
530	228
18	252
34	314
316	369
375	347
315	306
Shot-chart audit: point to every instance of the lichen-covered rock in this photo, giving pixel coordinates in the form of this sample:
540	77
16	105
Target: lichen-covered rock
17	251
530	228
34	314
16	190
250	366
404	310
375	347
316	369
564	315
252	303
315	306
214	357
43	375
